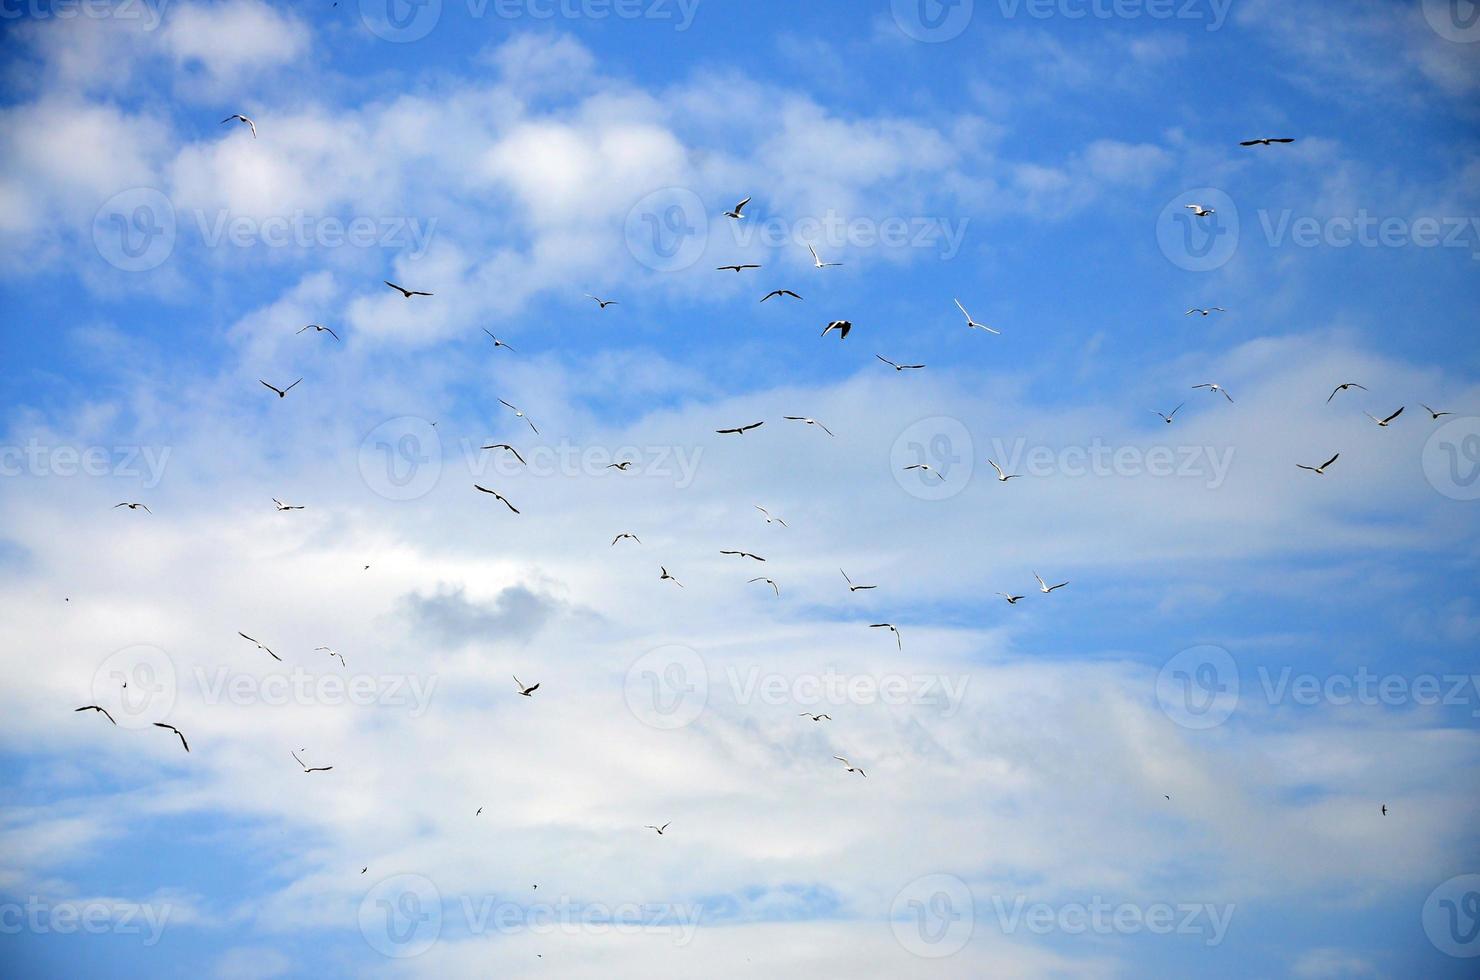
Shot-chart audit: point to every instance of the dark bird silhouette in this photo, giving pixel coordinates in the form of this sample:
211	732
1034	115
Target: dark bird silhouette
740	430
1343	387
98	708
734	268
779	292
407	293
281	392
505	445
318	329
160	724
526	691
855	588
1319	470
742	554
658	829
841	326
260	645
497	496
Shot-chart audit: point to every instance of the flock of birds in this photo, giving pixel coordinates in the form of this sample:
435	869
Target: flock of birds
842	328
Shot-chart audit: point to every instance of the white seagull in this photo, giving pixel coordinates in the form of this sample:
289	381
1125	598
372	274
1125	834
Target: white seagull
664	576
1215	387
1168	418
1001	476
817	261
972	324
1319	470
519	413
1199	210
738	213
1205	312
808	421
241	118
768	516
1384	422
1044	587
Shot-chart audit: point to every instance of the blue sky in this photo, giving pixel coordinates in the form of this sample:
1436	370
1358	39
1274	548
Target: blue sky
1249	659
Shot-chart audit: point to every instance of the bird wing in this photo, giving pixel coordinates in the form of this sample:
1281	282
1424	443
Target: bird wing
1393	416
1330	461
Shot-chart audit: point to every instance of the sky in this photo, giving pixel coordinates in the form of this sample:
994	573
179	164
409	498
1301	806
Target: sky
1243	740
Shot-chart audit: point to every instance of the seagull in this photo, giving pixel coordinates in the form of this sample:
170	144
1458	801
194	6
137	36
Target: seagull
623	465
479	814
1383	423
1206	312
308	768
658	829
625	534
1215	387
282	392
260	645
1266	141
133	507
525	691
241	118
1384	809
855	588
808	421
497	496
496	342
160	724
505	445
318	329
94	707
734	268
364	869
899	367
817	262
972	324
850	766
767	515
739	430
408	293
808	714
1012	600
333	653
663	574
1319	470
519	414
1199	210
891	628
925	468
1044	587
737	214
1343	387
1437	415
1168	418
841	326
603	303
282	506
779	292
1001	476
742	554
769	582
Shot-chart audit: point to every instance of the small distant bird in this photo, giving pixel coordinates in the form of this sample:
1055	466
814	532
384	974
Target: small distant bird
333	653
1384	809
625	534
972	324
282	506
1001	476
1210	310
734	268
498	343
1343	387
817	261
366	867
160	724
899	367
658	829
603	303
808	421
282	392
624	465
768	516
519	413
740	430
1199	210
1044	587
1215	388
98	708
808	714
1012	600
841	326
525	691
664	576
479	814
407	293
779	292
737	213
850	766
497	496
309	768
1168	418
855	588
318	329
241	118
1383	423
891	628
925	468
1266	141
769	582
505	445
1319	470
259	644
1437	415
742	554
133	507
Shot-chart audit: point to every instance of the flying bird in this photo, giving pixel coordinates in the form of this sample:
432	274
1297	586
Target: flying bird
1437	415
972	324
282	506
891	628
1384	809
519	414
1199	210
309	768
160	724
241	118
98	708
807	421
924	468
497	496
603	303
841	326
1168	418
737	213
133	507
333	653
767	515
1383	423
1044	587
663	575
779	292
742	554
1210	310
1343	387
408	293
850	766
1012	600
1001	476
498	343
1319	470
1266	141
658	829
282	392
526	691
899	367
769	582
855	588
259	644
624	465
734	268
318	329
1215	388
505	445
739	430
808	714
625	534
817	261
